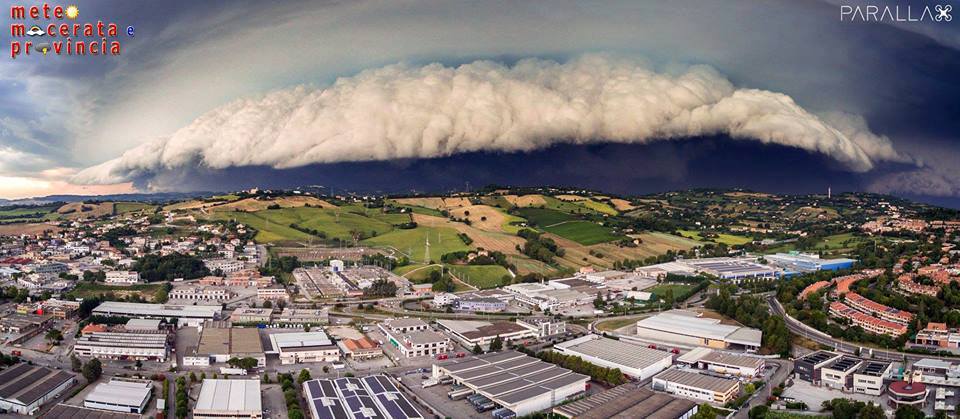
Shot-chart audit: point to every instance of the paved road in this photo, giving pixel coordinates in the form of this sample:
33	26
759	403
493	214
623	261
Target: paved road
799	328
783	369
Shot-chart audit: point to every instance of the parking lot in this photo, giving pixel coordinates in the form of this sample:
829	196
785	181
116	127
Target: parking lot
436	396
814	397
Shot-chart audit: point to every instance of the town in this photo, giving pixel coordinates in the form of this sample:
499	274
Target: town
501	302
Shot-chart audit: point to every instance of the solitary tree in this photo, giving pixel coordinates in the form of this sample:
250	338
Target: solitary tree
477	349
497	344
304	376
92	370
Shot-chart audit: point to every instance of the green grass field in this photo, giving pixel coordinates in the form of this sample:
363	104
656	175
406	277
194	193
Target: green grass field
274	225
412	242
376	214
28	214
831	245
727	239
480	276
661	290
543	217
268	231
583	232
87	289
597	206
125	207
567	207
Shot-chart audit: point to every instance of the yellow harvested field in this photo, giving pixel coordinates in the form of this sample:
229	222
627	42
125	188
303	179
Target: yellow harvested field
27	228
483	217
525	200
501	242
84	210
435	202
572	198
621	204
253	205
191	205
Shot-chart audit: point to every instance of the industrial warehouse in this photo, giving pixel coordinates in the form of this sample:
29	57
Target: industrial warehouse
633	360
348	397
228	399
219	343
24	387
629	400
513	381
295	348
192	315
688	328
120	395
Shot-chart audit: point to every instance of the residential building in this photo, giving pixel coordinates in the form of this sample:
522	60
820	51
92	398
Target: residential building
867	322
224	266
872	308
122	277
937	335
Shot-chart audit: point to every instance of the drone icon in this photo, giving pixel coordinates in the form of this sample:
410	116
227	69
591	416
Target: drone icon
943	13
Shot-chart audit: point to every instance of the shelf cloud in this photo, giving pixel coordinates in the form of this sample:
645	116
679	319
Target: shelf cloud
402	111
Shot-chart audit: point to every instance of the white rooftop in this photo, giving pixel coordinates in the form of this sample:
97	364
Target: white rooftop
159	310
143	324
686	323
299	340
127	393
229	396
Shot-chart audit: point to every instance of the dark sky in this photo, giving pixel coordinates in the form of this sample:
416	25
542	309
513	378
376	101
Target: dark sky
191	86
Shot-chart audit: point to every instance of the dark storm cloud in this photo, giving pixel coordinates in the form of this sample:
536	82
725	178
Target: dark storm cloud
190	57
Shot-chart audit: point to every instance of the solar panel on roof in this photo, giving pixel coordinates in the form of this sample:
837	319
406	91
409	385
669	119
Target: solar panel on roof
387	385
328	389
374	385
313	388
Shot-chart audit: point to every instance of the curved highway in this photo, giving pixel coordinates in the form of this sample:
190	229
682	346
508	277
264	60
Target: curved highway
799	328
